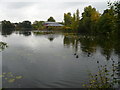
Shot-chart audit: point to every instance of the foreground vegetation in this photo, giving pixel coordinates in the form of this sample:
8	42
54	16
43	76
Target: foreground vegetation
105	77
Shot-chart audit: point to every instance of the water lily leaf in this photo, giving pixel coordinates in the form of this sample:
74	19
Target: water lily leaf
4	73
11	80
18	77
10	75
3	76
6	78
9	72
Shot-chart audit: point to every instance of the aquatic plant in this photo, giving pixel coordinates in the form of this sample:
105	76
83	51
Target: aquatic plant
3	45
105	77
10	77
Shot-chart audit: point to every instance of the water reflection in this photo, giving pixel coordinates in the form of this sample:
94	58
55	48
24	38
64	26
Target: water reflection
6	32
48	59
50	38
89	44
25	33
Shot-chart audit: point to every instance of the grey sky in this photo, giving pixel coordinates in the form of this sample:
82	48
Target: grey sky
20	10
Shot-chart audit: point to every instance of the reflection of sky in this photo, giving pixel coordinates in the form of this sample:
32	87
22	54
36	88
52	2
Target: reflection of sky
19	10
31	41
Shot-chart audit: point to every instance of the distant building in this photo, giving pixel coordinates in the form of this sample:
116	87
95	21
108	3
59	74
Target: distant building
52	24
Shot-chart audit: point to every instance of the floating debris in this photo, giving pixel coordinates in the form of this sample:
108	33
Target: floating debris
77	56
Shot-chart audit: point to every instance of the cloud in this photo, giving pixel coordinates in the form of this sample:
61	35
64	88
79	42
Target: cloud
19	5
20	10
53	1
101	6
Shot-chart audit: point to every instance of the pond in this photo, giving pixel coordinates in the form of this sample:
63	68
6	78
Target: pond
53	60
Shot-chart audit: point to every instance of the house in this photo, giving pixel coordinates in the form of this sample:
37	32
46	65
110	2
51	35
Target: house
52	24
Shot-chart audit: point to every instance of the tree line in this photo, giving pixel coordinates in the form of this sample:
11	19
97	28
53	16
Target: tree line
25	25
90	22
8	28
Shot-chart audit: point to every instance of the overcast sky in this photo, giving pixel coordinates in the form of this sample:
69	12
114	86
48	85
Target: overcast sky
20	10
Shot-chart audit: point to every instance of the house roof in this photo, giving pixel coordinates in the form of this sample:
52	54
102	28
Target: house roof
52	24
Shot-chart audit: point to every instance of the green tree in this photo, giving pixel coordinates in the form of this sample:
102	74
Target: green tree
77	18
38	25
51	19
72	21
7	27
67	19
89	19
77	15
106	24
116	9
25	25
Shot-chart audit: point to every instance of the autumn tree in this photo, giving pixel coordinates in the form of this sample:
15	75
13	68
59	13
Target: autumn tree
89	19
72	21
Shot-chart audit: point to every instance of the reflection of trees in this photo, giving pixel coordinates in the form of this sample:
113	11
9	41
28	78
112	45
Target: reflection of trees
24	26
25	33
117	45
117	51
89	44
107	45
50	37
6	32
71	41
7	28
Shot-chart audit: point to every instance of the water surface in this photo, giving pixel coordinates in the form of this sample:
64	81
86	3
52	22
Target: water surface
55	60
